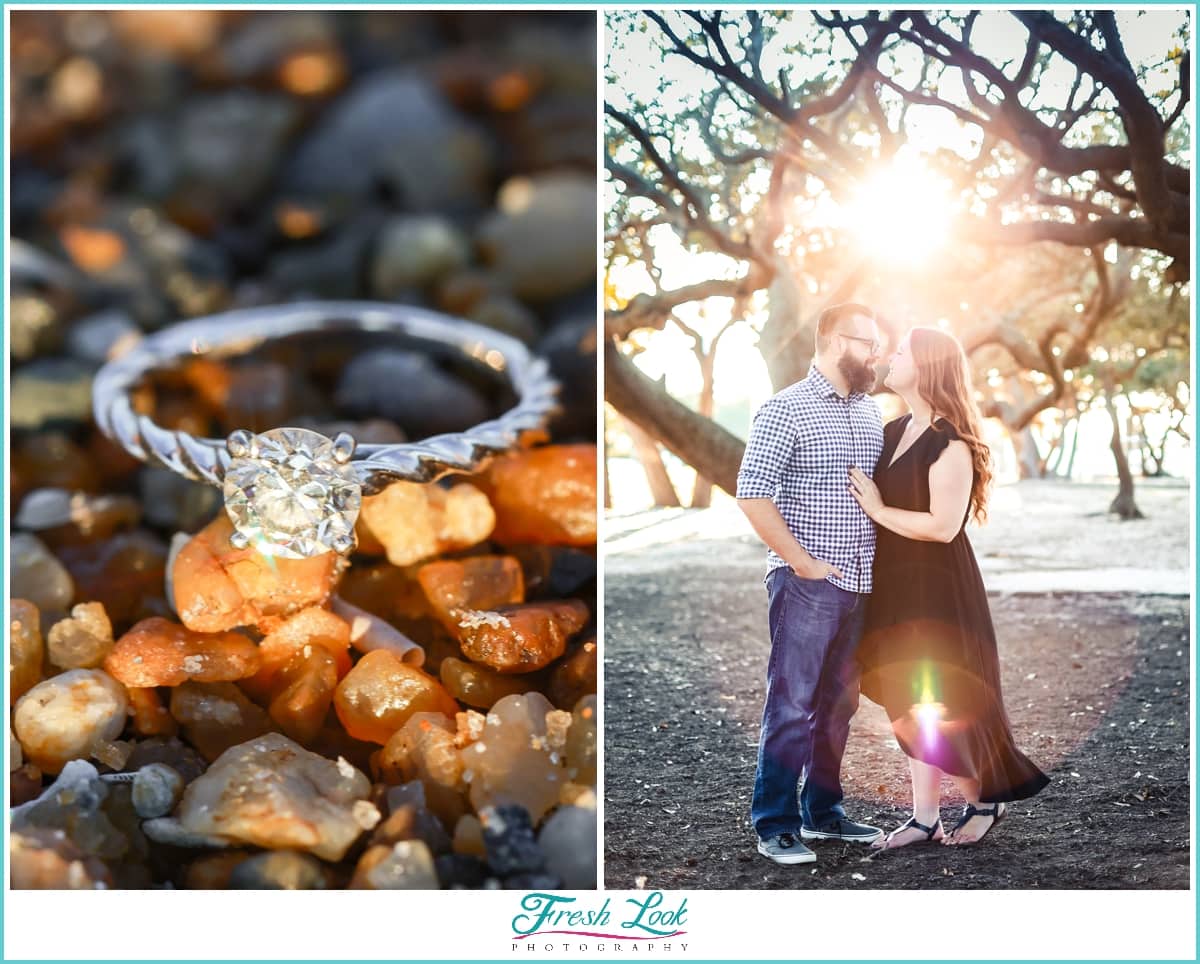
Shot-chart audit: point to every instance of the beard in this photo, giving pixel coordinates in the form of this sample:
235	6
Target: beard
859	375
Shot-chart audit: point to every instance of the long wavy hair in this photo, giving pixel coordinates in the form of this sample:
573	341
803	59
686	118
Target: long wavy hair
944	382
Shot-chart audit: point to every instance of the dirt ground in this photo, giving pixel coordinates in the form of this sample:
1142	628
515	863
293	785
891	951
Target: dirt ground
1096	685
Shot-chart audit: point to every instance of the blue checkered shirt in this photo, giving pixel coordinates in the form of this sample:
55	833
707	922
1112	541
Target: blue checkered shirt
802	444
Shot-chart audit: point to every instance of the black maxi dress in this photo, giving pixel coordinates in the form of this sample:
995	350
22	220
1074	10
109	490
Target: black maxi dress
928	651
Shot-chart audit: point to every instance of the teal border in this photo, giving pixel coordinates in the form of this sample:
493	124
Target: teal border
600	9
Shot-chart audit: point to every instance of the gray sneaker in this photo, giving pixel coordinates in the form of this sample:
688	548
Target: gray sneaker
784	848
842	829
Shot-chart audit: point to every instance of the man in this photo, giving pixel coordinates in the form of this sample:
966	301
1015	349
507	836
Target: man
794	487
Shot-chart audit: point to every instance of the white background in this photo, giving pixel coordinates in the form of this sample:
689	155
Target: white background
805	925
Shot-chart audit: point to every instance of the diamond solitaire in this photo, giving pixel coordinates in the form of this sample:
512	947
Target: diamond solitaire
292	493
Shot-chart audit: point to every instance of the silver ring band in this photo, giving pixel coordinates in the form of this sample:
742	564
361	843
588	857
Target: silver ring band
242	330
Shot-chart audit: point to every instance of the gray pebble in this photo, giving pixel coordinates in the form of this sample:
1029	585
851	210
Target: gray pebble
414	252
371	431
394	127
173	502
50	390
329	269
30	265
427	828
542	238
230	143
570	347
506	314
568	839
508	837
260	44
38	576
98	337
156	790
533	882
169	750
168	830
412	391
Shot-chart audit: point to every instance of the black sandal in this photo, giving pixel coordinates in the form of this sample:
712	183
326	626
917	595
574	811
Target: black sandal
911	823
996	812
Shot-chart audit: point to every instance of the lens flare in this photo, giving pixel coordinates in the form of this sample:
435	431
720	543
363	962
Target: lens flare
929	716
928	711
901	213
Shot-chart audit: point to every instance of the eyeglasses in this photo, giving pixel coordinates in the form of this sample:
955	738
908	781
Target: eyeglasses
876	345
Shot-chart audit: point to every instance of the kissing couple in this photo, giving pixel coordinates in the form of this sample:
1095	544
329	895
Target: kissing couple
873	586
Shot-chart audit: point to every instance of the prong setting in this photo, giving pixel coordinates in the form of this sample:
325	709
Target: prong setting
241	444
343	447
289	496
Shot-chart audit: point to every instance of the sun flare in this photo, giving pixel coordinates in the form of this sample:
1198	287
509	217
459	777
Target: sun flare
900	213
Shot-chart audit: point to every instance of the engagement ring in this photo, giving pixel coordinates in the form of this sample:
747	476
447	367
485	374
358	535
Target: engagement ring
292	492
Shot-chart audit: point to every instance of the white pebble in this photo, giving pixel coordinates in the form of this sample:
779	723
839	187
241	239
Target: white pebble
64	717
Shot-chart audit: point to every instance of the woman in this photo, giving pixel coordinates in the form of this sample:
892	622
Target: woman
929	650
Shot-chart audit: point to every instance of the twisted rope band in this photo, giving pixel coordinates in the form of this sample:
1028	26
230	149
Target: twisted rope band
242	330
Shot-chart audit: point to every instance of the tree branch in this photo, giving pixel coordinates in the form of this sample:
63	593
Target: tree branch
652	311
703	444
1143	126
1134	232
694	209
1185	89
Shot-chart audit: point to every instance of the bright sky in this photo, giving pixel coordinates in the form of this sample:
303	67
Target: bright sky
900	214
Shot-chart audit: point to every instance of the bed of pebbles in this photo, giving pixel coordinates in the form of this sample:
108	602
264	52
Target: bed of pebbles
187	714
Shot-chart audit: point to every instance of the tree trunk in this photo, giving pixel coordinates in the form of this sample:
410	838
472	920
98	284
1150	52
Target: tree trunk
1028	461
1153	455
1029	464
1053	453
702	490
1152	461
662	491
1123	505
1061	447
786	341
1074	447
607	483
703	444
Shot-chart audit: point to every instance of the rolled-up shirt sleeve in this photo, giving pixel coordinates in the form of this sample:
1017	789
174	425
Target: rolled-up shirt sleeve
769	449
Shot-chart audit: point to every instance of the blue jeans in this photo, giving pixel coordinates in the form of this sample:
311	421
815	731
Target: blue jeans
812	692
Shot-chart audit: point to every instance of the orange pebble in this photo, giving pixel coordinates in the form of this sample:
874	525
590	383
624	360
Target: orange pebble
574	677
309	627
218	587
545	495
150	717
158	652
478	582
521	639
414	521
304	693
425	749
382	691
479	686
402	756
27	652
390	592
